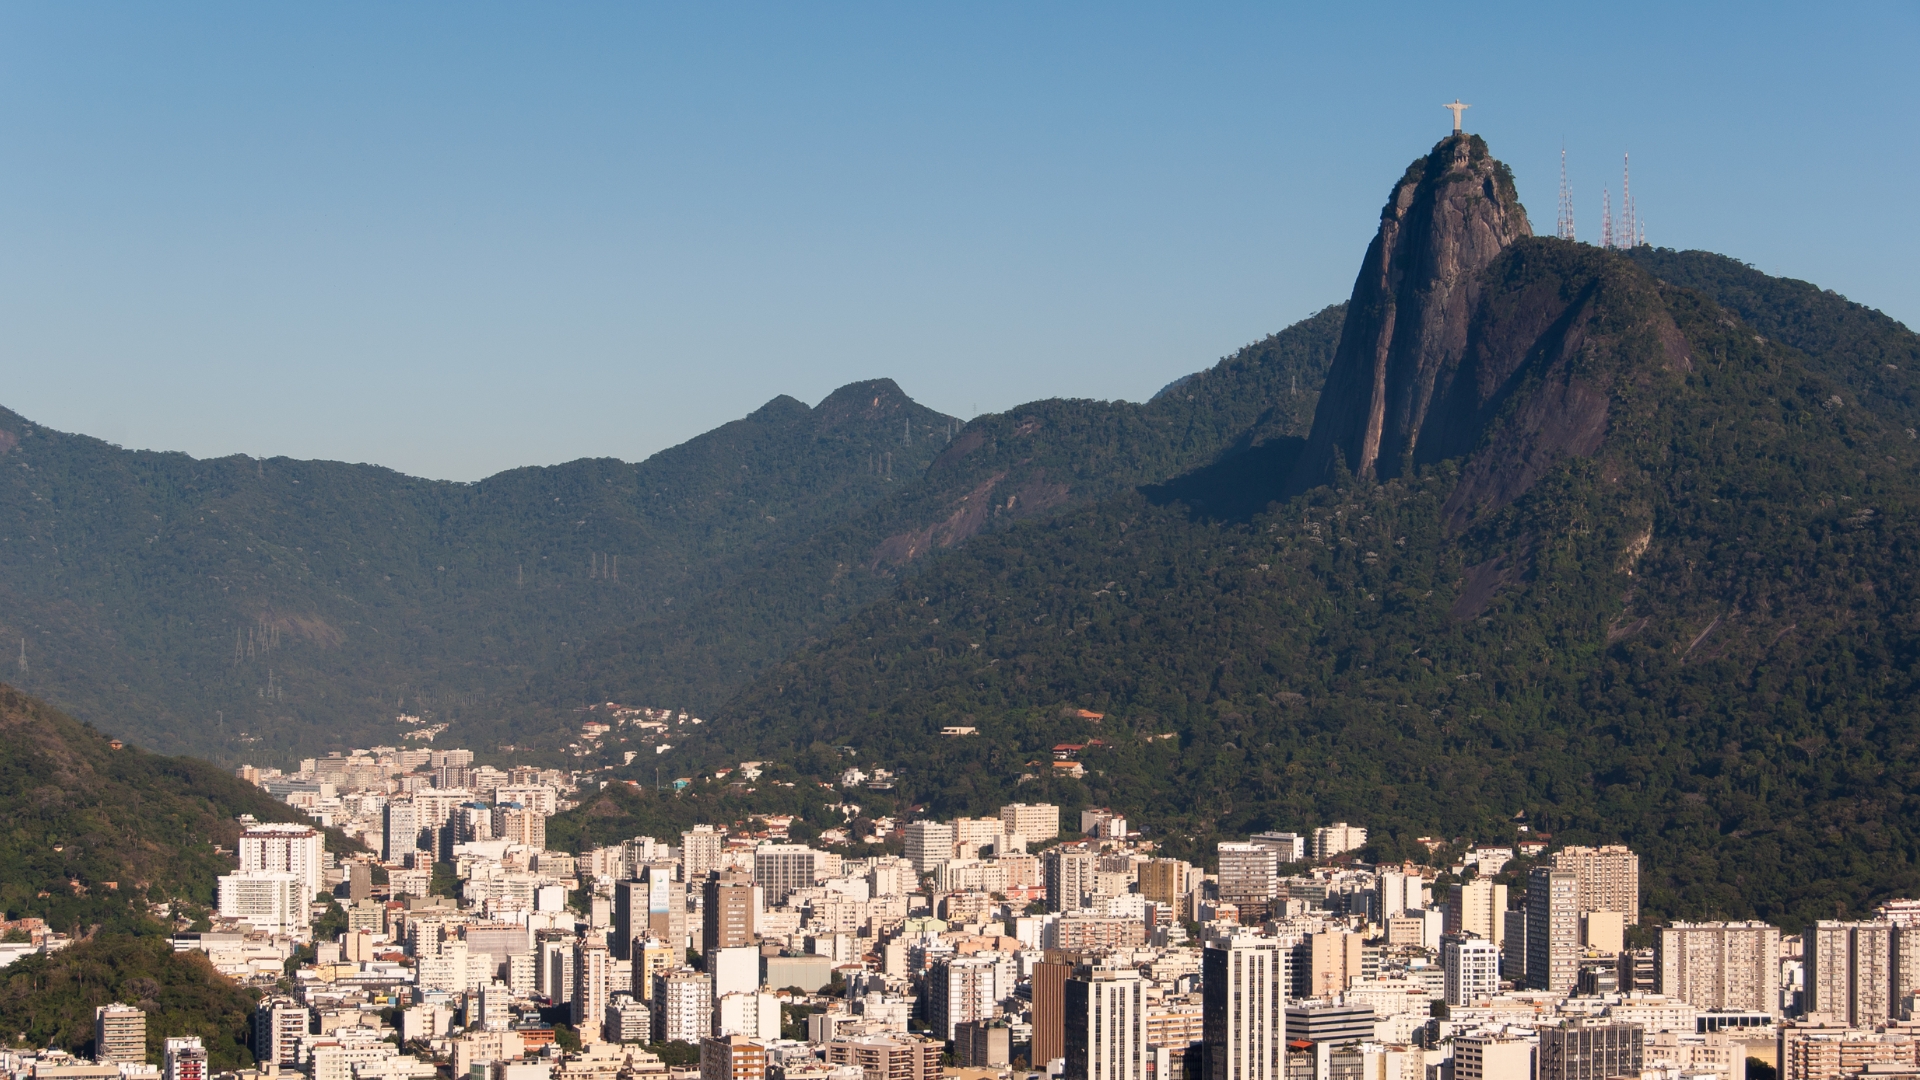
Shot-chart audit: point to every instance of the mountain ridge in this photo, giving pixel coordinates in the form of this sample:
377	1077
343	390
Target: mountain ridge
1694	633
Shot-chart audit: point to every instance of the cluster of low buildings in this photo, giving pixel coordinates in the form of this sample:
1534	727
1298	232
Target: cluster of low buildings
993	945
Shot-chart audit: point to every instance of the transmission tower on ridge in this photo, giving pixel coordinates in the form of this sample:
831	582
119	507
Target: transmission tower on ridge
1606	217
1627	230
1564	228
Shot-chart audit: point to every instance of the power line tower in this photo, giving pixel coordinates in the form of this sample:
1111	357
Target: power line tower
1564	227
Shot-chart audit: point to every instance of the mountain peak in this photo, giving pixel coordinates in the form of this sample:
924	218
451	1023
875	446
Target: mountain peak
1446	220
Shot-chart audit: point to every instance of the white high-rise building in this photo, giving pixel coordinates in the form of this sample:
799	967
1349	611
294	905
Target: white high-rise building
495	1007
591	970
284	848
1106	1026
1035	821
1070	877
272	901
1479	908
1331	840
700	850
1245	982
555	973
400	831
279	1023
735	970
929	843
752	1014
1471	967
682	1006
958	990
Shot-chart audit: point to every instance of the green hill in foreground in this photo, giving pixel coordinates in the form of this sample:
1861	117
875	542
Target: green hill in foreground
48	999
1692	628
92	835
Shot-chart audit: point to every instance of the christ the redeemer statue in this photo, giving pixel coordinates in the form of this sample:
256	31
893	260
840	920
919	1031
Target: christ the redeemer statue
1457	109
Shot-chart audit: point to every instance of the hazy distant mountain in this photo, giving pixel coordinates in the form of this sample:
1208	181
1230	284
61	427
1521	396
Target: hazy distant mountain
237	605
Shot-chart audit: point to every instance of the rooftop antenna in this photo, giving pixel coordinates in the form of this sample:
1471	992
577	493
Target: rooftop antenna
1564	228
1606	217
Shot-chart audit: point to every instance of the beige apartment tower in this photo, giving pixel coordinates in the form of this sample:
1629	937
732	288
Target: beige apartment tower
1478	908
1035	821
1850	972
1609	878
119	1034
1729	966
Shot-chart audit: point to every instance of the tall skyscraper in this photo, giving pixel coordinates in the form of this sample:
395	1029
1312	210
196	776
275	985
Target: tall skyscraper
556	968
401	830
1334	958
630	924
1849	972
959	989
269	900
1471	968
1070	877
1479	908
1513	950
779	869
1166	881
682	1006
700	849
666	903
1106	1026
119	1034
278	1025
1049	1012
929	844
1609	878
1244	983
1731	966
591	970
1035	821
1553	929
283	848
1248	876
726	912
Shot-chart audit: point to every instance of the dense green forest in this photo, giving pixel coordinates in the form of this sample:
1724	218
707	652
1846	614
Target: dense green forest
47	999
1034	462
94	835
243	608
1700	641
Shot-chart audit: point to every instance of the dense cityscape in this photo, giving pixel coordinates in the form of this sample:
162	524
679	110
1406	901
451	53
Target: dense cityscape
458	944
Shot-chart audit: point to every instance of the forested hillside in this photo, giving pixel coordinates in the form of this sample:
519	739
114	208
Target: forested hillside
96	834
247	607
1034	462
1694	632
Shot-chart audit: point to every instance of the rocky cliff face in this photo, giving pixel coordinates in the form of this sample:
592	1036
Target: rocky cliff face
1406	333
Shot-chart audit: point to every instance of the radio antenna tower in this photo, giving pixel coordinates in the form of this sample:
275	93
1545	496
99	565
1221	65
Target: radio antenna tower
1627	229
1564	228
1606	217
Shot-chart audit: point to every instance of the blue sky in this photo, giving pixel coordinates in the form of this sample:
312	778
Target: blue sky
453	239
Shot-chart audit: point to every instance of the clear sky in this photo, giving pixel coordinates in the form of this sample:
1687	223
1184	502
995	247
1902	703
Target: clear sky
456	238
